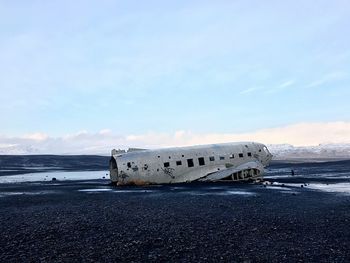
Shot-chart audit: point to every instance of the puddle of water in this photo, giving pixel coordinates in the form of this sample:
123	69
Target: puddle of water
96	190
60	176
278	188
4	194
217	187
239	193
244	193
134	191
289	192
337	188
178	188
309	174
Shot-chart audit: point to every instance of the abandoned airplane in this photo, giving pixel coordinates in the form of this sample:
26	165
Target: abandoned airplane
215	162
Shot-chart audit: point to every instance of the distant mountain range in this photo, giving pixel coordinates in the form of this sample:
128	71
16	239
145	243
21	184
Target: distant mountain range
322	151
279	151
18	150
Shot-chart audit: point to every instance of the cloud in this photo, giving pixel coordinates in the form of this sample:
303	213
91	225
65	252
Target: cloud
300	134
250	90
282	86
327	78
105	131
36	136
286	84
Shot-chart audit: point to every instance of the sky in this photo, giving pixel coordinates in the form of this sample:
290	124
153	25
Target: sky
167	73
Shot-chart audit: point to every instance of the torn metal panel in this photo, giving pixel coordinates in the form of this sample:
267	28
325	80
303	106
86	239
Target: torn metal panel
244	172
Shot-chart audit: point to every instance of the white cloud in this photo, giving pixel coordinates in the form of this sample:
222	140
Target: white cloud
282	86
327	78
250	90
105	131
301	134
38	136
286	84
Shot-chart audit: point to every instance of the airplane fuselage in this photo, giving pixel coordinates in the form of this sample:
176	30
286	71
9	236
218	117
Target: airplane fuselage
215	162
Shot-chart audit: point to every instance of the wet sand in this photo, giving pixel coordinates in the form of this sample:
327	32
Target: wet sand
89	220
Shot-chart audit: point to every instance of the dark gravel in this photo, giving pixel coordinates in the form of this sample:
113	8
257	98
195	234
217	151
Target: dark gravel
55	222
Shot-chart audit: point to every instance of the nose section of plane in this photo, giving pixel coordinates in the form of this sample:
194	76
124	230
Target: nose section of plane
113	170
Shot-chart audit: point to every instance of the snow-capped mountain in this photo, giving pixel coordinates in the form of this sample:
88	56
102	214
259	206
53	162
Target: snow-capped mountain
279	151
287	151
16	149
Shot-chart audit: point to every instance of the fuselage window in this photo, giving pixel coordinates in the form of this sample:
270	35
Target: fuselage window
222	158
169	157
240	155
183	155
167	164
129	164
178	163
232	156
249	154
190	162
201	161
212	158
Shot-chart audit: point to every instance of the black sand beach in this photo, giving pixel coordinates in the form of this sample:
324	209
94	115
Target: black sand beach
89	220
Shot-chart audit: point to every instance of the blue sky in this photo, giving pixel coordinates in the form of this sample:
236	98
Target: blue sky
138	67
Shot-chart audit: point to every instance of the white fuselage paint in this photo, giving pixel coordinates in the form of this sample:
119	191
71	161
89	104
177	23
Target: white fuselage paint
242	161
